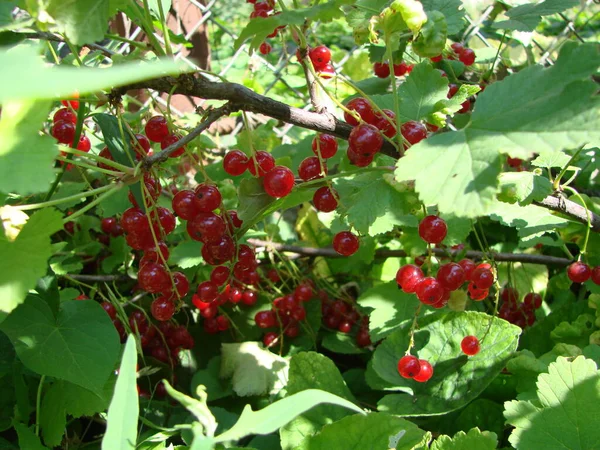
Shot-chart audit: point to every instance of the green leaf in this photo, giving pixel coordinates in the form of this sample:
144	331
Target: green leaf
79	345
53	416
527	186
25	259
473	440
524	277
551	159
541	110
119	250
26	157
449	106
340	343
527	16
253	369
391	308
531	221
432	39
457	379
27	438
482	413
373	431
209	377
83	21
155	7
67	190
372	205
310	370
186	254
452	9
122	418
566	412
33	79
277	414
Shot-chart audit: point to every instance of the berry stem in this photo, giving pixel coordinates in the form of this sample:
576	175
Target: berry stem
112	189
390	57
38	404
413	328
556	183
589	220
108	162
112	173
70	198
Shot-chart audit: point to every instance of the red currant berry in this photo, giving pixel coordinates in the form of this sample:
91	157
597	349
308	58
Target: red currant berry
358	159
107	224
166	219
72	103
467	57
162	309
222	323
279	182
84	144
482	278
157	129
270	339
451	276
219	275
468	266
433	229
154	278
185	204
170	140
470	345
265	48
207	291
533	300
261	163
465	107
365	139
413	132
381	69
408	277
579	272
64	132
437	58
457	47
452	90
362	338
596	275
235	219
384	124
110	309
514	162
429	291
66	115
363	108
235	162
303	292
221	251
425	373
209	197
477	294
141	145
510	295
326	144
249	298
400	69
265	319
319	56
345	243
325	199
327	72
206	227
409	366
273	276
310	169
138	322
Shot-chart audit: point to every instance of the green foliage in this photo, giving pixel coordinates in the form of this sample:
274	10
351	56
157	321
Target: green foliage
452	10
565	410
473	440
527	16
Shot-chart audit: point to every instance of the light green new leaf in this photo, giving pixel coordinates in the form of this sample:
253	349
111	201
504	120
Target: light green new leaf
527	186
526	17
547	160
25	259
457	379
25	75
26	157
122	419
391	308
452	10
533	111
567	412
372	205
253	369
79	345
373	431
310	370
276	415
473	440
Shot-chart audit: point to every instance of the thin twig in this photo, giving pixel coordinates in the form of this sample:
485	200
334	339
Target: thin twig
98	278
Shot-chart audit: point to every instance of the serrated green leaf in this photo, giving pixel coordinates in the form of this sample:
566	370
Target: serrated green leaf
473	440
83	21
457	379
26	157
277	414
391	308
373	431
310	370
567	410
372	205
527	16
186	254
452	10
119	250
209	377
31	78
551	159
482	413
449	106
124	409
79	345
253	369
531	221
27	438
25	260
528	187
340	343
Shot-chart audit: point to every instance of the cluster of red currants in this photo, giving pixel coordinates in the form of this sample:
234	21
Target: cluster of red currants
320	57
412	367
520	314
64	125
110	226
580	272
382	69
343	316
265	9
324	146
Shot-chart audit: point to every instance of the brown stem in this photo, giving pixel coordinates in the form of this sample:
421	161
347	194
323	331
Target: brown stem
571	209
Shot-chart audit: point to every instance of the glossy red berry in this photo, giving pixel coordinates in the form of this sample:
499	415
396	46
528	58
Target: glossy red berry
425	373
154	278
185	204
510	295
457	47
465	107
326	144
325	199
310	168
141	145
359	159
467	57
476	293
433	229
219	275
451	276
261	163
596	275
319	56
220	251
138	322
385	125
66	115
270	339
533	300
470	345
169	140
468	266
135	221
579	272
207	291
156	128
408	276
363	108
362	338
265	319
110	309
345	243
72	103
235	162
413	132
265	48
162	309
327	72
452	90
209	197
279	182
400	69
429	291
482	278
64	132
107	224
84	144
249	298
381	69
437	58
166	219
365	139
206	227
409	366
